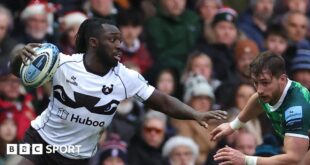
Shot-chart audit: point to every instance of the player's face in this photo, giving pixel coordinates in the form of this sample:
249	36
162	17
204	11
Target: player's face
108	48
269	87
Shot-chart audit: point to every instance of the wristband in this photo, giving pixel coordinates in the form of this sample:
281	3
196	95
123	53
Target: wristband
250	160
236	124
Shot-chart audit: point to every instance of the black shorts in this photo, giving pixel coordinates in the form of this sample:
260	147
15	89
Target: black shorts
33	137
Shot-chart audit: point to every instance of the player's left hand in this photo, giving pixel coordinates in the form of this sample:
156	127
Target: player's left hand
229	156
203	117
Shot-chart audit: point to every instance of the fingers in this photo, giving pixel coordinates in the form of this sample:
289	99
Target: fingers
30	50
33	45
218	136
28	53
26	56
204	124
226	163
225	149
223	154
221	114
215	131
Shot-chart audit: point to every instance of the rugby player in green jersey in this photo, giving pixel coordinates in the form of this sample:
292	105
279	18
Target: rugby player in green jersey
287	105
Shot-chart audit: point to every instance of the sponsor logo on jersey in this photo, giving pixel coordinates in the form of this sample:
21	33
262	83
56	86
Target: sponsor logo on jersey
72	81
293	118
63	114
86	121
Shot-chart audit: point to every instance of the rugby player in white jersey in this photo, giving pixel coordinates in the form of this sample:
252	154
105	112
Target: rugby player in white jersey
87	87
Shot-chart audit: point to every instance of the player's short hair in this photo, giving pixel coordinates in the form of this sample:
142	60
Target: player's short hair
268	61
91	27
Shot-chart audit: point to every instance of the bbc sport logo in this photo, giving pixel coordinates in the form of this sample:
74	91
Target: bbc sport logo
37	149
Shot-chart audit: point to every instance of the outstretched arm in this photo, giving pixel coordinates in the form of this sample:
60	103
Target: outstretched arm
176	109
295	149
250	111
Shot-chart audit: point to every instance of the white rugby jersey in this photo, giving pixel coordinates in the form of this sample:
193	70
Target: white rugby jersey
82	103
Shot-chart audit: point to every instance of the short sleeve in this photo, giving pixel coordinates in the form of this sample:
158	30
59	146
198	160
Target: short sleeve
135	84
295	121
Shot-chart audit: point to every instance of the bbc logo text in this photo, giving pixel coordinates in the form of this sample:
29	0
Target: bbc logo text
37	149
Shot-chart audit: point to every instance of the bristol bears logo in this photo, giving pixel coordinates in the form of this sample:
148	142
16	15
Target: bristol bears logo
107	90
83	100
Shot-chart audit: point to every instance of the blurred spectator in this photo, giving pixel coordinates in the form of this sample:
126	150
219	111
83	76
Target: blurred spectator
167	81
147	147
113	152
297	5
296	25
240	6
8	132
254	22
172	33
134	50
207	10
245	142
245	52
37	19
220	52
70	23
101	8
148	7
276	39
67	6
6	42
12	100
300	69
242	94
180	150
199	95
127	120
270	147
200	63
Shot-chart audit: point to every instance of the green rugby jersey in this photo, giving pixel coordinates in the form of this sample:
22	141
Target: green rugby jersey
291	114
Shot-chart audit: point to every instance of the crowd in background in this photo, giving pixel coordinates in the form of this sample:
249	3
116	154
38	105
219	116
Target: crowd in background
196	50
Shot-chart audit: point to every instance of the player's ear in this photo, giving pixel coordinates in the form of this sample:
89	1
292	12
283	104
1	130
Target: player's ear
93	42
283	78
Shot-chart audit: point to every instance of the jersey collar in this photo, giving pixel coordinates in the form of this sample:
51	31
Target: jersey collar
280	101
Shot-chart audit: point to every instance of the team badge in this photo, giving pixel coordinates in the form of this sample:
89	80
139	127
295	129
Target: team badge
107	90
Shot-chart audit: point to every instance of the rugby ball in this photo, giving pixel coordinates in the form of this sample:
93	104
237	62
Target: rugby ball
42	68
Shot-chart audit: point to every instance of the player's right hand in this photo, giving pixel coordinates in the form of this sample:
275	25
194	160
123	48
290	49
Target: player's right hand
220	131
27	53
